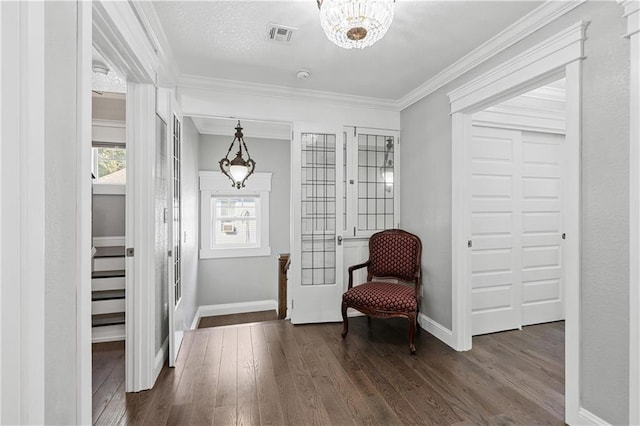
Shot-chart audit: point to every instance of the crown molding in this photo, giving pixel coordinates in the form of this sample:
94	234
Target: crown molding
272	91
168	67
522	28
631	11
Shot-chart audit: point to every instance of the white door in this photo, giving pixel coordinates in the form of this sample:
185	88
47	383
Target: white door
515	227
176	310
495	216
542	287
317	257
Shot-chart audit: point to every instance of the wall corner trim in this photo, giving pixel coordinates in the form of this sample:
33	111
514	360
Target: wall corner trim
538	18
437	330
160	359
586	417
232	308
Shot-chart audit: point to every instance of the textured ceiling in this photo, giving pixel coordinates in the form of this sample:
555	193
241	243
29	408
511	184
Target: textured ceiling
227	40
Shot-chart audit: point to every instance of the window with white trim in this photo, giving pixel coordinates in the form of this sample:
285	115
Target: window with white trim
234	222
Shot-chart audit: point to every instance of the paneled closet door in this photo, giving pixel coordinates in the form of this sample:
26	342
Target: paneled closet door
317	204
516	214
495	230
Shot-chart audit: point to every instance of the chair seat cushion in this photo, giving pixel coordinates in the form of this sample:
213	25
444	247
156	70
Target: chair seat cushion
382	296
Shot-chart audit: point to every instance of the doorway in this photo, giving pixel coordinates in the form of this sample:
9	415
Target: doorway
243	232
516	250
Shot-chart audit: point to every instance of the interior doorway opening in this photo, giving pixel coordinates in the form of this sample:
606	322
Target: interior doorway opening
516	211
246	232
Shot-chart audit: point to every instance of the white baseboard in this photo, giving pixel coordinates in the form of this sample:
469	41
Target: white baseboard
588	418
437	330
108	241
233	308
161	357
109	333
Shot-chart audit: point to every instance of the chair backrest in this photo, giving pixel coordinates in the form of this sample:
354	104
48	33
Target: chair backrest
394	253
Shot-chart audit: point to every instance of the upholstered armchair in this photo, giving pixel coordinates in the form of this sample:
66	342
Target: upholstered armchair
393	281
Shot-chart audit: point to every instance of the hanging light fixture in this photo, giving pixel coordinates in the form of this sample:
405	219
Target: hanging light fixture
386	171
238	169
355	23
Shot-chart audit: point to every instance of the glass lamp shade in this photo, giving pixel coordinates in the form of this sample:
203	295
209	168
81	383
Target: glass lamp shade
387	176
355	23
239	172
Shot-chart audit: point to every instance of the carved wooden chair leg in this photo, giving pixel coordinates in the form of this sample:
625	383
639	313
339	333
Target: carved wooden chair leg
412	333
345	320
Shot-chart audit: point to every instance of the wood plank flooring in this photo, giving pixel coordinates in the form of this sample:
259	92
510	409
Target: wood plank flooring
220	320
275	373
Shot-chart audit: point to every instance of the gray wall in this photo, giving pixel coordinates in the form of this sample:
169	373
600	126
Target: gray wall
426	131
190	217
217	282
60	310
108	216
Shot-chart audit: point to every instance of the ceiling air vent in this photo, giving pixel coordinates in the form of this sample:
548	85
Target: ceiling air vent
280	33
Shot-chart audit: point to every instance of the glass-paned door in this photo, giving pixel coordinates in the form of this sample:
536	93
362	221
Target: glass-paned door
176	312
317	183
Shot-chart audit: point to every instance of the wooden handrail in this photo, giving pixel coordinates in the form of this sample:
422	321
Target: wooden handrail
284	262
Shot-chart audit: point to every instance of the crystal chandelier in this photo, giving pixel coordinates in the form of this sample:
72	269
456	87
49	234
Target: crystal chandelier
238	169
355	23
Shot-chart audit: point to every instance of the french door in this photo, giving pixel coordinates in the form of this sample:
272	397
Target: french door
316	280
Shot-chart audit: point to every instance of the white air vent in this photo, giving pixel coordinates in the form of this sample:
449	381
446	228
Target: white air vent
280	33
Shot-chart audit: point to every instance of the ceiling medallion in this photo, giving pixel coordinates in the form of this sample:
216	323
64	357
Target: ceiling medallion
355	23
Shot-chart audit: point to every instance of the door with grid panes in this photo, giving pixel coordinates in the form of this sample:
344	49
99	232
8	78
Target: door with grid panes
345	189
371	197
317	184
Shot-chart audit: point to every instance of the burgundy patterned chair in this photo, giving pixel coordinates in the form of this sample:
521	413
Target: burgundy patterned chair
394	256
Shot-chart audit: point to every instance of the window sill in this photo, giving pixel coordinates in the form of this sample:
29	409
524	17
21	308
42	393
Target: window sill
109	189
236	252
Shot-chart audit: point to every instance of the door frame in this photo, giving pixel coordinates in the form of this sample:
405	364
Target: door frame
120	39
557	56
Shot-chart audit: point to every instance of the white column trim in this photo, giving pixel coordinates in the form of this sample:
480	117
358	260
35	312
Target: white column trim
22	196
83	214
140	235
631	10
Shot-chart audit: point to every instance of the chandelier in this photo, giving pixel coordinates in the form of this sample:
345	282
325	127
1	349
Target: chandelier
238	169
355	23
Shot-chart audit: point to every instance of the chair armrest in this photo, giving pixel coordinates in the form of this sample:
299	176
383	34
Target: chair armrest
354	268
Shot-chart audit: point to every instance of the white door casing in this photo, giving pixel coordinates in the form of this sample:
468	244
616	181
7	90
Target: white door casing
315	280
558	55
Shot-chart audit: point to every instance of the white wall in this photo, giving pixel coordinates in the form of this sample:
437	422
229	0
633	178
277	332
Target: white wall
190	218
426	131
108	215
218	279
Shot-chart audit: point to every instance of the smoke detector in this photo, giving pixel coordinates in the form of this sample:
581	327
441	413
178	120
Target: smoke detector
280	33
303	74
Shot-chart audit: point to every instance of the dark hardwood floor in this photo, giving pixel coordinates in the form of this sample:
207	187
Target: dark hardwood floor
220	320
277	373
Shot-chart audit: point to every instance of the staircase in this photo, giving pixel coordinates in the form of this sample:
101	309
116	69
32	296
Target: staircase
108	294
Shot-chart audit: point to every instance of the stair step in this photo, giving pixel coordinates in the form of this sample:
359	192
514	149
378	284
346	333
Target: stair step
107	294
110	283
108	274
109	251
108	306
107	319
108	263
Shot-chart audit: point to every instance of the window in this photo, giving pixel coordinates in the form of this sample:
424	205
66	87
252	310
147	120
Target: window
234	223
371	167
109	164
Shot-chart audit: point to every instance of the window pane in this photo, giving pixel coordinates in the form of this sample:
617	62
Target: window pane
110	165
234	222
375	181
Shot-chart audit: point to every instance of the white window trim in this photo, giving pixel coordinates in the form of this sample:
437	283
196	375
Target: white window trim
216	183
109	189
